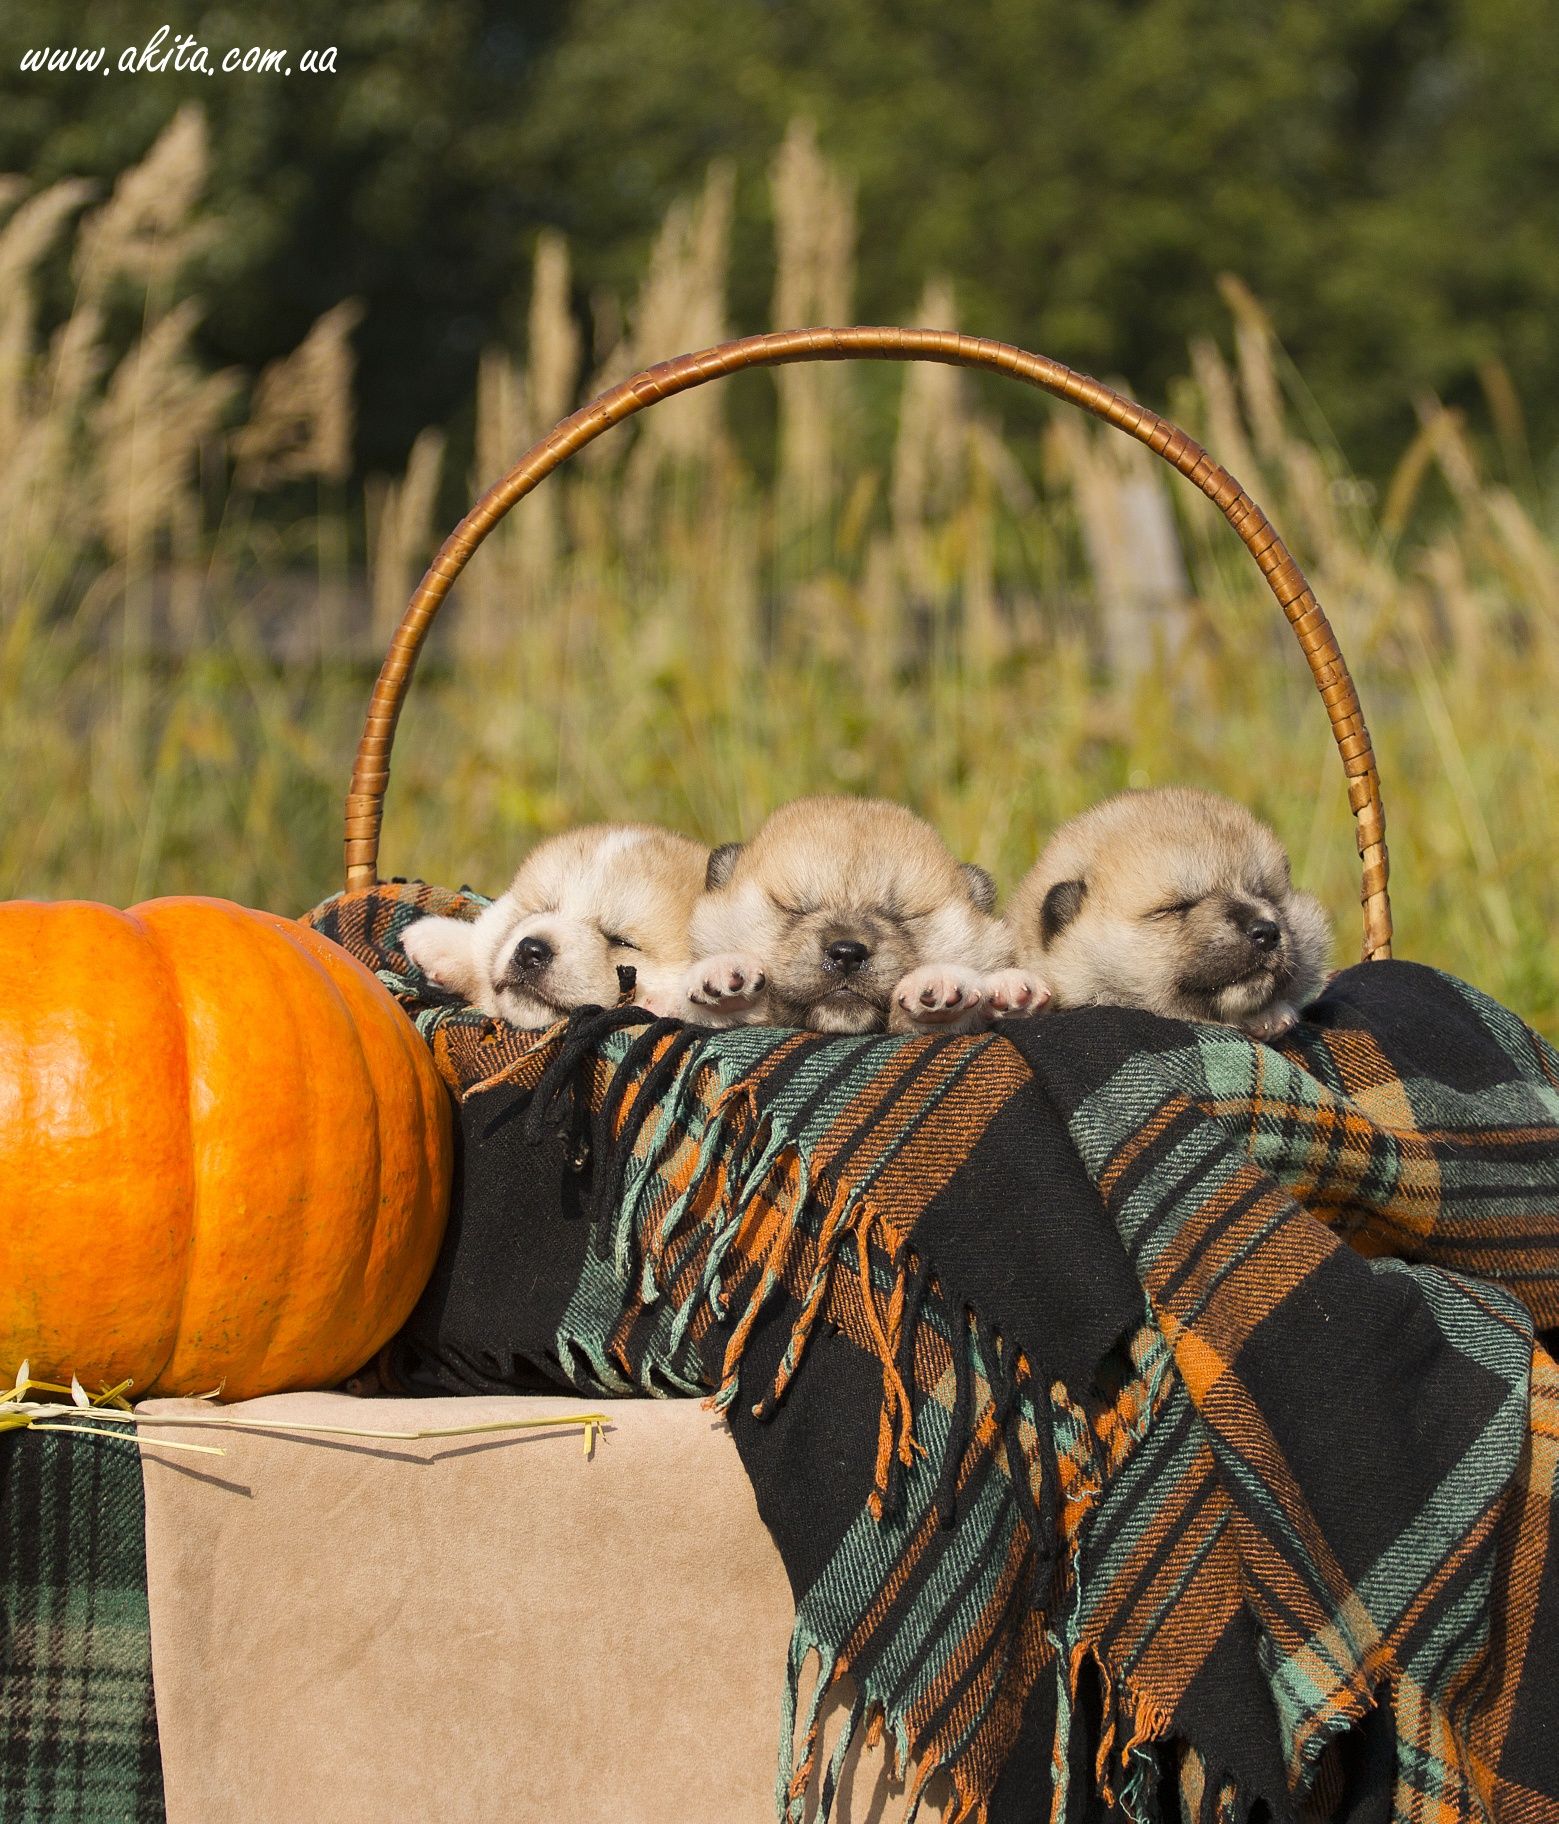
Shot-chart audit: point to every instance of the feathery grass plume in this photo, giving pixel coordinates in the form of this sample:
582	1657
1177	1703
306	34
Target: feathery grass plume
982	637
300	419
1506	540
491	589
1495	527
1504	403
814	283
928	451
25	239
155	412
39	427
1253	343
1119	491
147	230
1223	422
553	344
929	465
551	374
402	535
514	409
1407	479
681	305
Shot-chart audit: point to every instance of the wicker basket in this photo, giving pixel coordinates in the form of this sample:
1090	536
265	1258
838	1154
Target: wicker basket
371	774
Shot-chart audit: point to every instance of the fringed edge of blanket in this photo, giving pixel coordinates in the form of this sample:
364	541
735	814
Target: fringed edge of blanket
768	1200
785	1225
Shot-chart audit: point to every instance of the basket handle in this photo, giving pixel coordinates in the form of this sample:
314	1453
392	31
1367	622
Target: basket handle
371	774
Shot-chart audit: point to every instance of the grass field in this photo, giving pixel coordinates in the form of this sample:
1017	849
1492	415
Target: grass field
829	578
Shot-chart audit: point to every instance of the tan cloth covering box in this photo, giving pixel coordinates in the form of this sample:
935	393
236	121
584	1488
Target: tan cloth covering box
478	1630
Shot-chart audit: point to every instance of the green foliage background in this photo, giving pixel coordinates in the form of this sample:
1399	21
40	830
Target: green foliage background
1382	172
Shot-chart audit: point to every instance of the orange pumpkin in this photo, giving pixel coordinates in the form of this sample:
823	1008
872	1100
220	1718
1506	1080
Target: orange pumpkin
224	1151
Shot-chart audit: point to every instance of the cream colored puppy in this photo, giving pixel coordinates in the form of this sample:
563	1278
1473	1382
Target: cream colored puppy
582	905
850	915
1177	901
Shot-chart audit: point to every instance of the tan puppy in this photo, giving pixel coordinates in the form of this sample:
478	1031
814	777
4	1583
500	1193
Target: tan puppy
583	904
1176	901
850	915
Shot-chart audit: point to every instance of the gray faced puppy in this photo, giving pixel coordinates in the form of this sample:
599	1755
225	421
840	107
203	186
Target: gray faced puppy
1177	901
845	915
582	904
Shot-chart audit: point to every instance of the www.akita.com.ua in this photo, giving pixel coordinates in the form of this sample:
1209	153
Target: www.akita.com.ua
184	53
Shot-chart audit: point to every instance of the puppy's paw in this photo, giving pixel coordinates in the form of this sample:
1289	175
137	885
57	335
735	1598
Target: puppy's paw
443	949
1271	1023
1013	994
730	984
936	996
663	991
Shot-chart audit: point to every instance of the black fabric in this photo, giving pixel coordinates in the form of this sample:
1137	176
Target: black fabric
513	1251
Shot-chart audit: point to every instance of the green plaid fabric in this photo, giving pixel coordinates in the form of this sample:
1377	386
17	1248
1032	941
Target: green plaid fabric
80	1742
1151	1422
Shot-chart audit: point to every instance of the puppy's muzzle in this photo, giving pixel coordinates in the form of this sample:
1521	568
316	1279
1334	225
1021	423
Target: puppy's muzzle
846	956
531	956
1264	935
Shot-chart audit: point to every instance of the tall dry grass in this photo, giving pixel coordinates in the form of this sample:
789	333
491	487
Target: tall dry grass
658	632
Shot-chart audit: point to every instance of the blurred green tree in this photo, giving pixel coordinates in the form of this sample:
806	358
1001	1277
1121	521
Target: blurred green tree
1381	172
387	181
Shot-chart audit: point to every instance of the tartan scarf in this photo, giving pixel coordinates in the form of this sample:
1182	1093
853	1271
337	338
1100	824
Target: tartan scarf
1149	1420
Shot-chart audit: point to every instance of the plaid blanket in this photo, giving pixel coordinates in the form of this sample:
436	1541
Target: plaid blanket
80	1738
1147	1419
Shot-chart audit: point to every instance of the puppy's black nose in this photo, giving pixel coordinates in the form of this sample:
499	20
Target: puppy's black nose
847	956
532	953
1263	934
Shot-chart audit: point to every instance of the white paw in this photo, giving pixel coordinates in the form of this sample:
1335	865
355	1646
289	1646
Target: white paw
936	994
1272	1022
663	991
729	983
442	948
1012	994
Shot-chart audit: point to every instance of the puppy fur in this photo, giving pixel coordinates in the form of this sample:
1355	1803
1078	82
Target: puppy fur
846	915
1177	901
582	904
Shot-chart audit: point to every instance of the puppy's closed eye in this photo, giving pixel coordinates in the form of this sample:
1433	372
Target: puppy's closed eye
1176	908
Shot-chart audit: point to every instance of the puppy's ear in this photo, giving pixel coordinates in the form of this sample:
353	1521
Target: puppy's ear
722	864
982	889
444	949
1062	904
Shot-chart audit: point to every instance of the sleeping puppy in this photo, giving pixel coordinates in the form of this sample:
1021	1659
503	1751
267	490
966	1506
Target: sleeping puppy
850	915
1177	901
582	905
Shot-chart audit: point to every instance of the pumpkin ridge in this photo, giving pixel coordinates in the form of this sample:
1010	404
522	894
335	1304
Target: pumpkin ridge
178	1014
214	1237
293	935
418	1079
